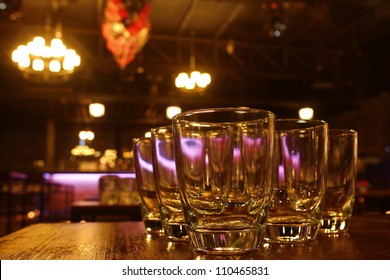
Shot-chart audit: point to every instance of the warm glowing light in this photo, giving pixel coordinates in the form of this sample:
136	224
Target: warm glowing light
148	134
109	158
128	154
82	151
172	111
306	113
55	66
33	214
96	110
46	60
181	80
86	135
38	64
195	81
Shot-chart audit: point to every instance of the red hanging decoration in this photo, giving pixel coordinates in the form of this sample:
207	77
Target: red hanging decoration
126	28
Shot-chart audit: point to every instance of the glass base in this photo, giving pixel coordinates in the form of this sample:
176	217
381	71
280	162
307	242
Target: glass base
290	232
153	226
176	232
335	225
225	242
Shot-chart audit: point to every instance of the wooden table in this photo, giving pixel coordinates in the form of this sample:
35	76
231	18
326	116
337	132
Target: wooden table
369	238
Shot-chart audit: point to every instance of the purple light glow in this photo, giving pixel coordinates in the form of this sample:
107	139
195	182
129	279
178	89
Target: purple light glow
193	148
236	154
281	173
86	185
292	157
252	142
145	165
163	160
66	178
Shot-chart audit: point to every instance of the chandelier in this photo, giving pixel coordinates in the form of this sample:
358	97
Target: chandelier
82	149
49	62
125	28
194	81
46	58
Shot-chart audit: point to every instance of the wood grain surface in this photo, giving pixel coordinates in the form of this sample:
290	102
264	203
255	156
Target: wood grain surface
369	238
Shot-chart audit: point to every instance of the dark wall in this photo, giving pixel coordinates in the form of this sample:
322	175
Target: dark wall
23	142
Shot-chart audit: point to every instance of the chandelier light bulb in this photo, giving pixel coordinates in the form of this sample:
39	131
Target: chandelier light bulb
195	75
38	64
25	62
68	65
181	80
190	84
36	47
55	66
204	80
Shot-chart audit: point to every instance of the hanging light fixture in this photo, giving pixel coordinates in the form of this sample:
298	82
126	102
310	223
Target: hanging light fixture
195	81
148	134
171	111
86	135
96	110
306	113
47	61
82	149
47	58
126	28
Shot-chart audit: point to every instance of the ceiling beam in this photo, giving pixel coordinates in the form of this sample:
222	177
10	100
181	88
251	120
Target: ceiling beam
229	20
187	16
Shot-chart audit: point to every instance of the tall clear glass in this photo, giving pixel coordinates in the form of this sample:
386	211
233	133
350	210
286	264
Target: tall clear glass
299	180
143	160
223	161
341	180
167	188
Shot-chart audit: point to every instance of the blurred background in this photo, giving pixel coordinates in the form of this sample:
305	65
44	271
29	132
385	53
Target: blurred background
126	55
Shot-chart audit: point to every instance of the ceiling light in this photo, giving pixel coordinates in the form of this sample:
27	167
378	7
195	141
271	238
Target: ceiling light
96	110
195	81
172	111
82	151
306	113
49	62
86	135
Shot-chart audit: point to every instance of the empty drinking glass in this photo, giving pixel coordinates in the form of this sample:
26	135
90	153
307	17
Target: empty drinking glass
167	188
299	180
145	184
341	180
223	162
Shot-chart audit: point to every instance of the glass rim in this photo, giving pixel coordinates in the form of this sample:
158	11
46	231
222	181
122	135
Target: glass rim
342	131
139	139
305	124
266	114
159	129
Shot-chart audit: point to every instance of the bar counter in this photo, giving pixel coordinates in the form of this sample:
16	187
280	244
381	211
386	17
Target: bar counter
368	239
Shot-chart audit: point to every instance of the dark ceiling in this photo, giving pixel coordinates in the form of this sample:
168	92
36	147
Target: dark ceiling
331	56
